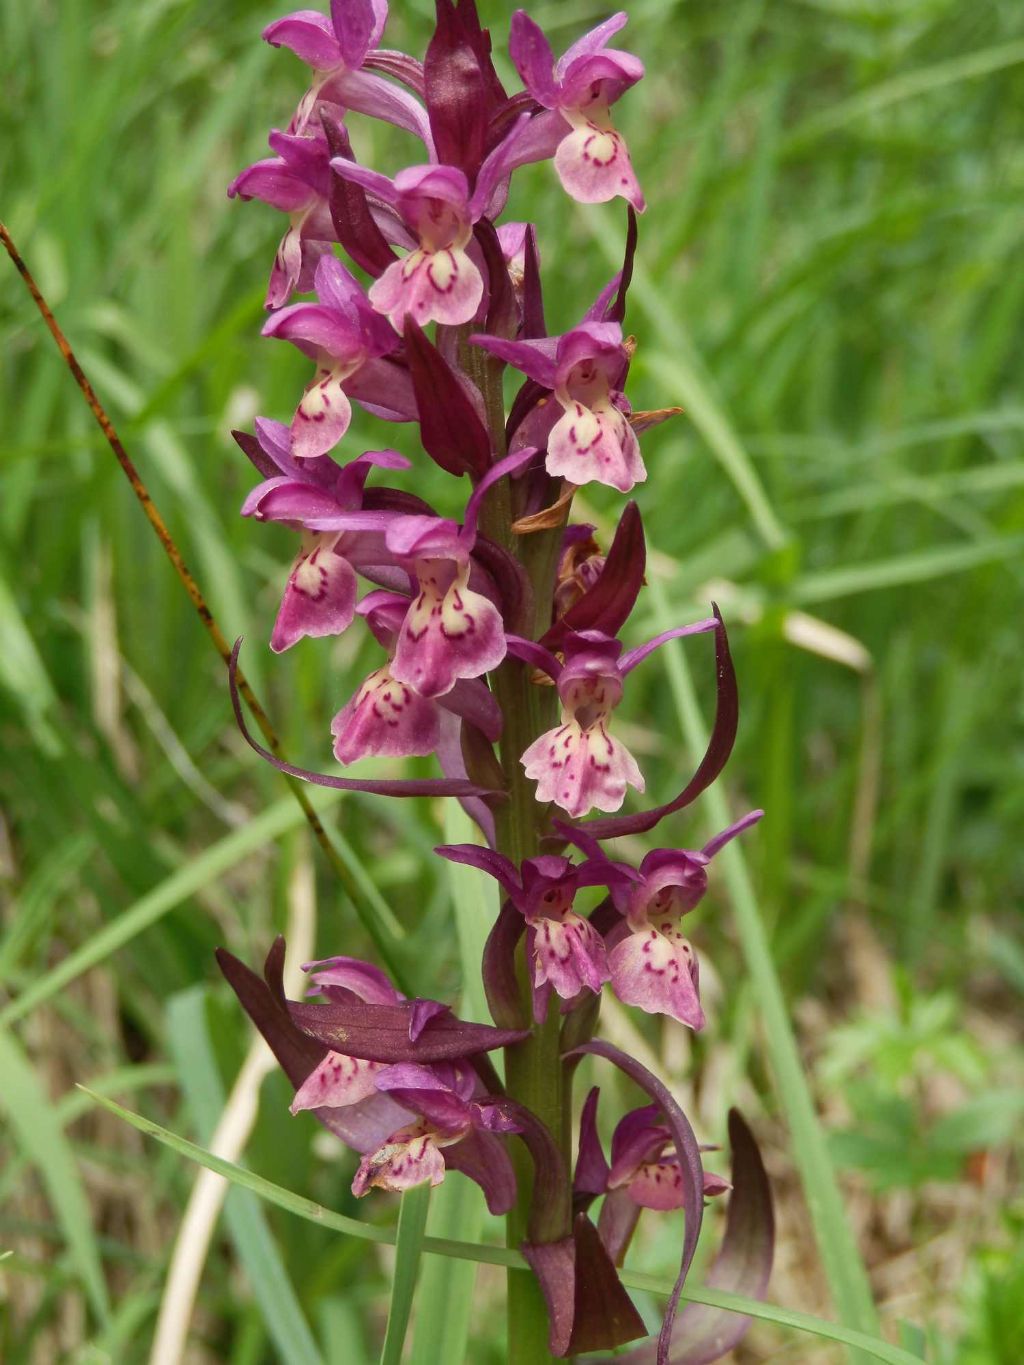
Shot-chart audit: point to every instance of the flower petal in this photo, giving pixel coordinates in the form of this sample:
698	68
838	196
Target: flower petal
593	165
657	972
581	769
319	599
336	1083
385	718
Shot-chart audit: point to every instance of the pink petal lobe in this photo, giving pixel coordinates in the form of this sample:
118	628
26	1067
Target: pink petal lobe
323	415
386	719
580	770
570	954
337	1082
447	636
595	445
410	1157
657	972
593	165
319	599
432	286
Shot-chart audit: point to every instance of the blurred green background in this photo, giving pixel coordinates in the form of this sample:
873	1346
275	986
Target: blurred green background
830	283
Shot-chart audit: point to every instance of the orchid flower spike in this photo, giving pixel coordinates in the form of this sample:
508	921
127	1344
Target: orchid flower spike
591	157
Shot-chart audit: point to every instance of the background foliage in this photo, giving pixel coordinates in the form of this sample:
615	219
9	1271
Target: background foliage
830	284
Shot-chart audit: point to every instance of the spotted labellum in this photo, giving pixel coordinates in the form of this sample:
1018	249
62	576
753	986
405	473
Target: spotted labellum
497	647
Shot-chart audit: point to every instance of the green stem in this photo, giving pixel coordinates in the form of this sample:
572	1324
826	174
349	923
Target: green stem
534	1072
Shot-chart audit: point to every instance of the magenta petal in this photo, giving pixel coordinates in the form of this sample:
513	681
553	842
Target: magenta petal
358	25
309	35
421	1014
532	57
593	41
320	599
496	865
369	94
273	182
727	835
534	358
363	979
632	657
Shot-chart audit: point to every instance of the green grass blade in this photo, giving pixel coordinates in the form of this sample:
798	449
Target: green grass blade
38	1130
447	1284
228	852
456	1209
273	1295
412	1224
907	85
919	567
841	1259
501	1256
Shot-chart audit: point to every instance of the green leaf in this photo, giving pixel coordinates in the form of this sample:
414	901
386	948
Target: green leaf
456	1210
842	1263
38	1130
412	1224
501	1256
447	1285
273	1295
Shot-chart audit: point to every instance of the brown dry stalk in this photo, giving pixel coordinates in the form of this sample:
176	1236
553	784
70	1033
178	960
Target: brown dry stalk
185	577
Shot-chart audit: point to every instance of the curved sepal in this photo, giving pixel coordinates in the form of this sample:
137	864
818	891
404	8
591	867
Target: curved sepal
375	786
723	737
742	1266
688	1153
